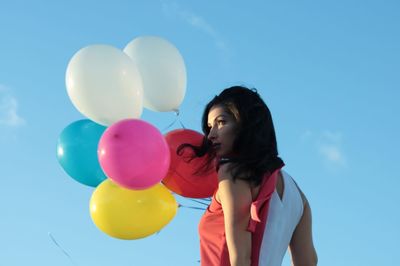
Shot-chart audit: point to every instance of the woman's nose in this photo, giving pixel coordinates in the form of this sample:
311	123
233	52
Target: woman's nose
212	134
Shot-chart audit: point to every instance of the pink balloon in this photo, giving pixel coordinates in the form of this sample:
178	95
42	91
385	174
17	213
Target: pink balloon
134	154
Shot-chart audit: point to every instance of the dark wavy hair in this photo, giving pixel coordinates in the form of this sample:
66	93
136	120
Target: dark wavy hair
255	147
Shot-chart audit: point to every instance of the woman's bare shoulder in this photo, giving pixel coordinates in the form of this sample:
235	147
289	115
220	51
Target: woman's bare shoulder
227	184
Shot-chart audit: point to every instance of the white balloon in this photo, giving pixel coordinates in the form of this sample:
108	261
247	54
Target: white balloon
163	72
104	84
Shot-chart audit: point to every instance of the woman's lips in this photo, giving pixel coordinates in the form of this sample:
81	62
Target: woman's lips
216	146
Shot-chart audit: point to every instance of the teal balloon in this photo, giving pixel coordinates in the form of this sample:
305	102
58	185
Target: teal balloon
77	152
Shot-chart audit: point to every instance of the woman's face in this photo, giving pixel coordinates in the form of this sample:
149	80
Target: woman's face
223	129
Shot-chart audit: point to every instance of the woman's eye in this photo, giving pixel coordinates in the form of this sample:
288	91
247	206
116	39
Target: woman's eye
221	122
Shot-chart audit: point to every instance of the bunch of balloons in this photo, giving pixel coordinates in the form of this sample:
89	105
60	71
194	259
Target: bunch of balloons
129	162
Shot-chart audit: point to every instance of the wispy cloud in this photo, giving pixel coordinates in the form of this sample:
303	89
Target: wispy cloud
332	154
196	21
329	146
9	109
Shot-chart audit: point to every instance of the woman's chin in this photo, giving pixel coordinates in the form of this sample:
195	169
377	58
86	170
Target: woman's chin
221	153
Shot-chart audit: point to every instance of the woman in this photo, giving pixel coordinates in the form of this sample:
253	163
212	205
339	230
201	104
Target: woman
257	210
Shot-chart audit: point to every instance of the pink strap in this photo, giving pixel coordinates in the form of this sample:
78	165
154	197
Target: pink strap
257	206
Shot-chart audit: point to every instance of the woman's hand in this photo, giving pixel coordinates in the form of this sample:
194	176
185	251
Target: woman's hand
235	197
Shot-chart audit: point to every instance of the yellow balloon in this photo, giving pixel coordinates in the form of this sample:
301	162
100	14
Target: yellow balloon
131	214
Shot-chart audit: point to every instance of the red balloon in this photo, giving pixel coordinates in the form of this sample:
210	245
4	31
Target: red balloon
182	177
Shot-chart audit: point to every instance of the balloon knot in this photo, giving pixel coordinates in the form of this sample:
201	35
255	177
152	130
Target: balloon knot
176	111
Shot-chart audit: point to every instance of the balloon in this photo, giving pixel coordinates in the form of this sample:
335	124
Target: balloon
182	177
134	154
77	152
163	72
131	214
104	84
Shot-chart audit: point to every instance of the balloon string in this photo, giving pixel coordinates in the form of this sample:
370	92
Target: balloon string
63	250
198	201
191	207
181	124
205	199
176	111
170	125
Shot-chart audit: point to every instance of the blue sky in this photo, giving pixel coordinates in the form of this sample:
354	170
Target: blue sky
329	72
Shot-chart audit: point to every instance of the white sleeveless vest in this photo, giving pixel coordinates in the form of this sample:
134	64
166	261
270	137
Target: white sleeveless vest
283	217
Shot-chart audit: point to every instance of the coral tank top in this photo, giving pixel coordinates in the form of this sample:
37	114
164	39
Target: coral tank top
213	247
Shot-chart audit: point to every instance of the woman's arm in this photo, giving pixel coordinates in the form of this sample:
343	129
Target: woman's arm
301	245
236	199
